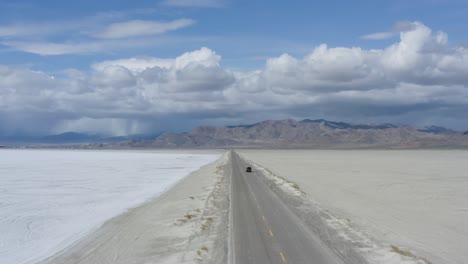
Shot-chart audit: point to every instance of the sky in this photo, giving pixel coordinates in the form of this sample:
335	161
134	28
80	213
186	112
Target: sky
130	67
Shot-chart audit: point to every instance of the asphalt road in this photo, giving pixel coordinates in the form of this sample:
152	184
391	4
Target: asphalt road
264	229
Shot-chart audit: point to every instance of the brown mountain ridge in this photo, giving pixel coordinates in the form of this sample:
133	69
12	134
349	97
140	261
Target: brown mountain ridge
308	133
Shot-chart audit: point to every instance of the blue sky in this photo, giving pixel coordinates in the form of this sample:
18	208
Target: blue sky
244	32
244	46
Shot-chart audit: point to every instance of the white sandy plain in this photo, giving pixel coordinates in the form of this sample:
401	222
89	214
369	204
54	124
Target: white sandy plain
50	199
416	200
186	224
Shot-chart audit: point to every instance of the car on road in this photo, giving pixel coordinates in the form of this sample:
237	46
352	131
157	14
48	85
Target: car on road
248	169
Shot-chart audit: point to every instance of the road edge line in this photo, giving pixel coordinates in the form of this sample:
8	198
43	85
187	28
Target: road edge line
231	247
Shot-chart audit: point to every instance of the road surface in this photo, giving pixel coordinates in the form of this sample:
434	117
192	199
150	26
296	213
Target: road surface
264	229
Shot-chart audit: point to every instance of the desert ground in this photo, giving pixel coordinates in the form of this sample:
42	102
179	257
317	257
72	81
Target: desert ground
379	206
53	200
180	226
412	202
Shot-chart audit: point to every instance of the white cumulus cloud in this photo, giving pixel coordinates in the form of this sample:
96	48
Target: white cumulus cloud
419	79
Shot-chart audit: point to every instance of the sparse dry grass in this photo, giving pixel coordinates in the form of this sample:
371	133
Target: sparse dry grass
189	216
278	179
269	171
407	253
207	223
203	250
220	169
400	251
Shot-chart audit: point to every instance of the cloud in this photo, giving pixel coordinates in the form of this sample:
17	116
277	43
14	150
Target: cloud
419	79
195	3
53	28
203	56
92	35
50	49
37	29
398	28
138	28
135	64
379	35
89	46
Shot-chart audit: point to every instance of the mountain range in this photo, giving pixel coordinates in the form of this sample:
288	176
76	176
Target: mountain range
309	133
289	133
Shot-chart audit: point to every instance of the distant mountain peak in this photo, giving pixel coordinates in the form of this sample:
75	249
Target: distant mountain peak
436	130
313	120
244	126
343	125
314	133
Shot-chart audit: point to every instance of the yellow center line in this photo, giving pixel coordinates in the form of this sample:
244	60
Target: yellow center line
269	229
282	257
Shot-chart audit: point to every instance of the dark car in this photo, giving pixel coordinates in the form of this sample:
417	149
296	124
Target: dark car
249	169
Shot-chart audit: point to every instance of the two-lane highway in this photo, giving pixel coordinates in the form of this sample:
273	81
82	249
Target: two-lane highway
264	229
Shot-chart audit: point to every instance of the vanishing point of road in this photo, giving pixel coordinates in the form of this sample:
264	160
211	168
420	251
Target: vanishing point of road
263	229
